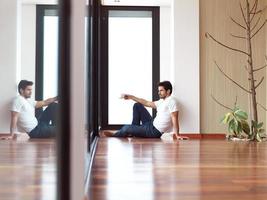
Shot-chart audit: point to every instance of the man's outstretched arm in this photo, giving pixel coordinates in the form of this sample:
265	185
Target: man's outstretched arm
46	102
140	100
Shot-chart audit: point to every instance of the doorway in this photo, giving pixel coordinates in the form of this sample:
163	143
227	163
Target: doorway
129	60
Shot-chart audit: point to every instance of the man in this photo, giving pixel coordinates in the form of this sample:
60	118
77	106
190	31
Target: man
23	114
143	125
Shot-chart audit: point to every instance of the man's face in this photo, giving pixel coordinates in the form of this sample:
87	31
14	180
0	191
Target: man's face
27	92
162	92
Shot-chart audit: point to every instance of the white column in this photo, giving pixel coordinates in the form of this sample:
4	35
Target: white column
28	42
8	59
185	67
77	98
165	42
18	45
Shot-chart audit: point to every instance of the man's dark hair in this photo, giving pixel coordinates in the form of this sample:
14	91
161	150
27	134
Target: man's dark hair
23	84
167	85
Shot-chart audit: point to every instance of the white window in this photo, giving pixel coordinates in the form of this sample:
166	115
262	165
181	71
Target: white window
130	61
50	77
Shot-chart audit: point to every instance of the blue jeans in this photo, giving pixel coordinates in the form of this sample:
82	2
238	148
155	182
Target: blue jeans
46	127
142	124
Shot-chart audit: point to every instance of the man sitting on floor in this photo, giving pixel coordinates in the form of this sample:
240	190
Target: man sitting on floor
23	114
143	124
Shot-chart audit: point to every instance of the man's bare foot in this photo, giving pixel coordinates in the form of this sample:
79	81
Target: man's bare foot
108	133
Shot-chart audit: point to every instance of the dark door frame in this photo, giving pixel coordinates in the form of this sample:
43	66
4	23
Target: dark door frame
104	61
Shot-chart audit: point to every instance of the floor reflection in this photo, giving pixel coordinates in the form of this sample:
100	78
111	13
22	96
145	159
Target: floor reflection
129	170
28	170
196	169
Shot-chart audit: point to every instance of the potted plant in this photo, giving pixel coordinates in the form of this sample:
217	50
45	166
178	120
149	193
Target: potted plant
237	119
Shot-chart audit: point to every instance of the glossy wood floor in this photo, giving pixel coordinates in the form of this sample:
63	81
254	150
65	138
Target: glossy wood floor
147	169
27	170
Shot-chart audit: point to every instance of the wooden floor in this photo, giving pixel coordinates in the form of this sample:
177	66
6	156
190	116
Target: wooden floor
147	169
142	169
27	170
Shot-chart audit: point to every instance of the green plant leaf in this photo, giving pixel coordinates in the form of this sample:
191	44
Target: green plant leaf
230	129
231	126
235	122
245	127
254	124
226	118
258	126
241	114
239	128
235	126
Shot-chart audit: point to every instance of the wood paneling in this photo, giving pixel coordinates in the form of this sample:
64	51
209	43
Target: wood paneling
132	168
215	19
27	170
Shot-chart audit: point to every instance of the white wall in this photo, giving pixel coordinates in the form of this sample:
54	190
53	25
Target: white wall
165	42
8	39
17	52
185	58
179	58
28	38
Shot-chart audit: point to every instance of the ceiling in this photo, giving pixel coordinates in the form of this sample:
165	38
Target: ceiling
112	2
39	1
138	2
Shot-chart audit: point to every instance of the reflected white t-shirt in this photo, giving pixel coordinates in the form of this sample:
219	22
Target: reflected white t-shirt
26	109
163	121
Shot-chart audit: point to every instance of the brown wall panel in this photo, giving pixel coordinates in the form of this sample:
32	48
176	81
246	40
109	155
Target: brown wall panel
215	19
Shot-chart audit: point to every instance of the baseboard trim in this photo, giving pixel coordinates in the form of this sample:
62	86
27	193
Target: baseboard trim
204	135
213	136
4	134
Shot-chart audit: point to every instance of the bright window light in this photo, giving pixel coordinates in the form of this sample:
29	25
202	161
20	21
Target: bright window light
50	81
130	61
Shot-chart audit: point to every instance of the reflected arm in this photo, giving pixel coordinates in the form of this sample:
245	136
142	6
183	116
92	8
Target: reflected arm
140	100
46	102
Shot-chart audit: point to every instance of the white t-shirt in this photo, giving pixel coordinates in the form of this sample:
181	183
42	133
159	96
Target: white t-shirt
26	109
163	121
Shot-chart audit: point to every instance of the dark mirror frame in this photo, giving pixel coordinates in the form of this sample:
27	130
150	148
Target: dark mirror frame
63	138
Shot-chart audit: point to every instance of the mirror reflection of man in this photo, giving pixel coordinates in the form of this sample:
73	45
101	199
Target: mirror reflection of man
143	125
23	114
